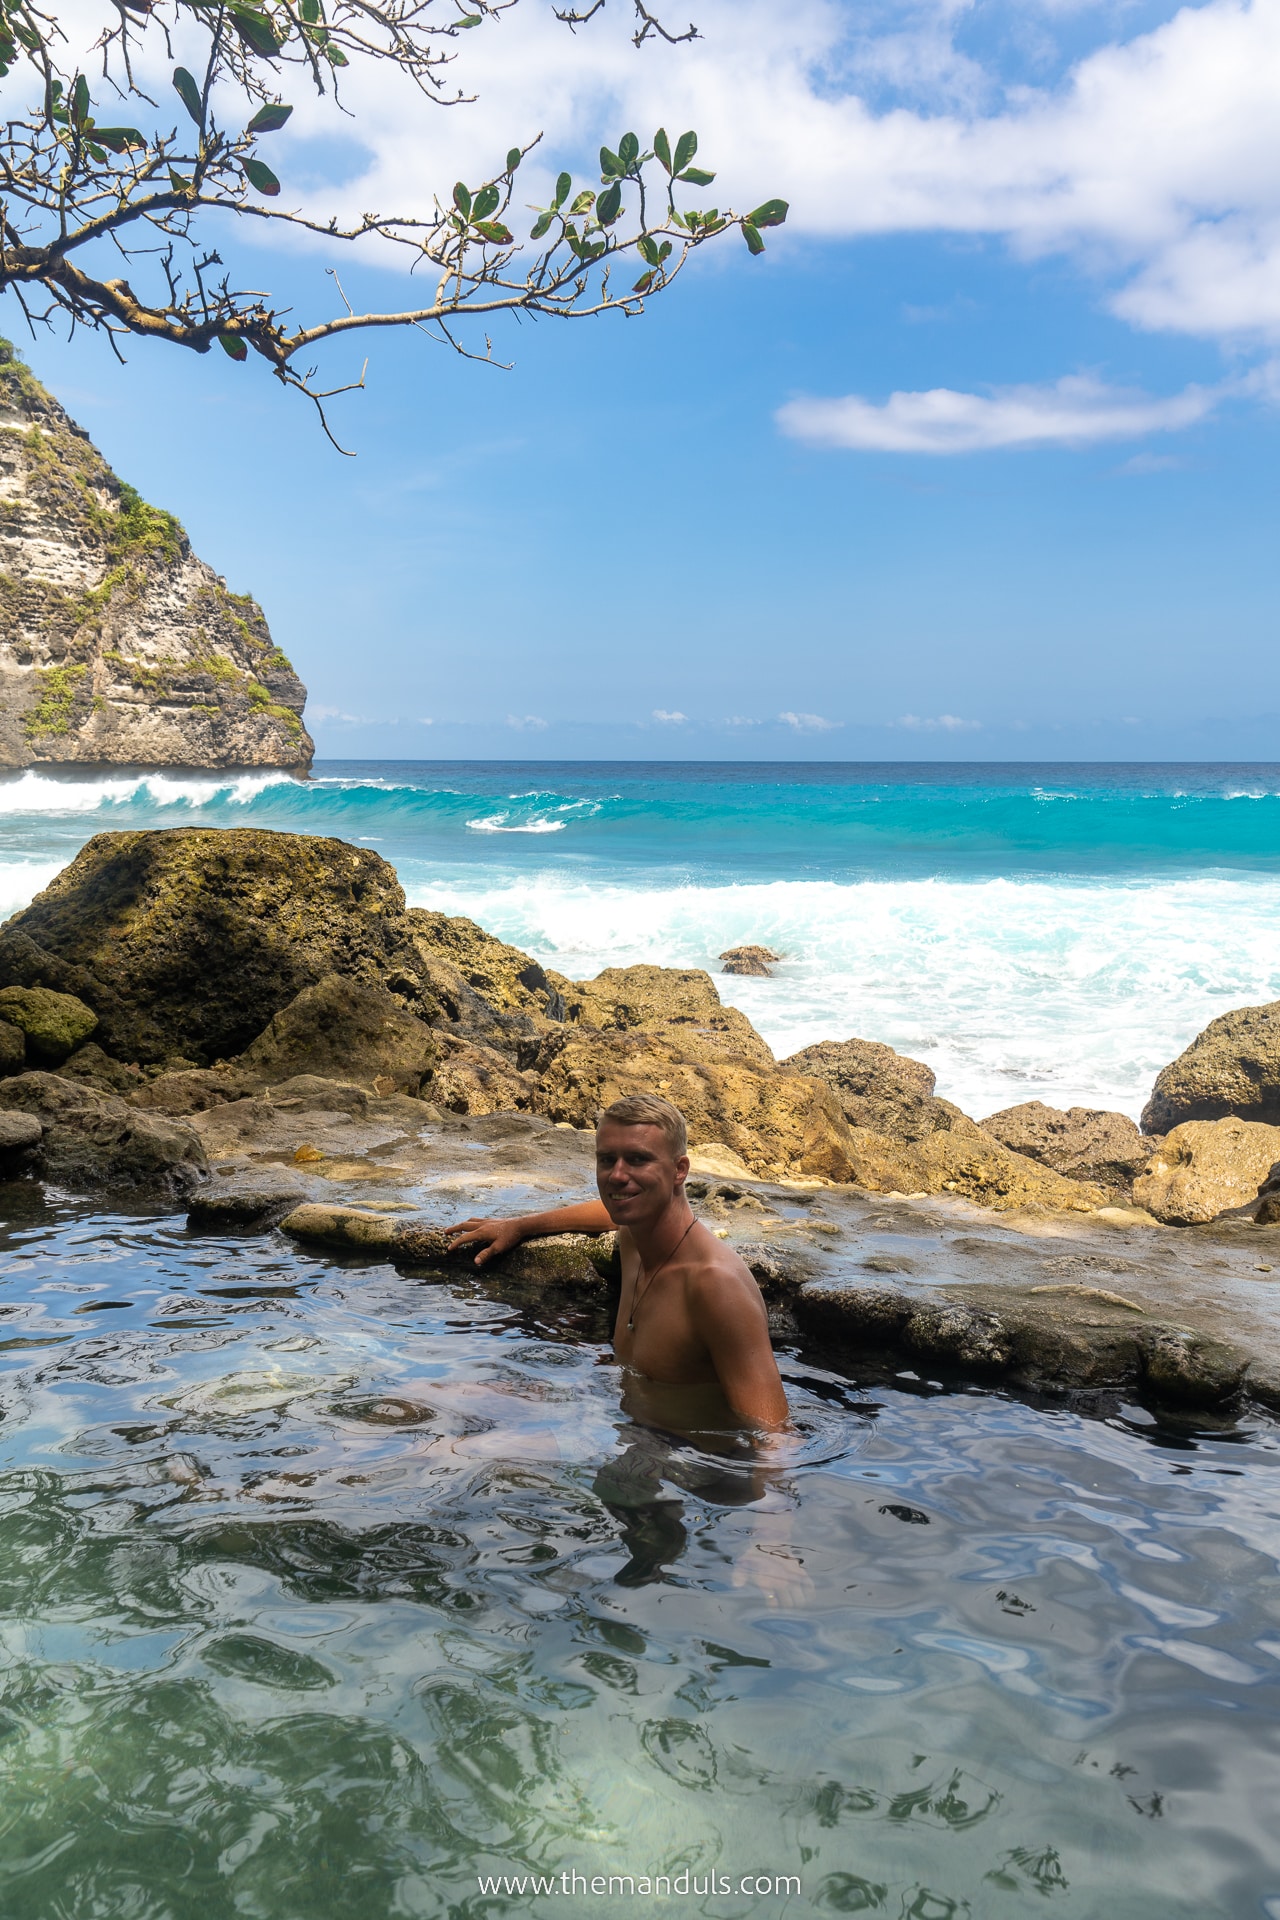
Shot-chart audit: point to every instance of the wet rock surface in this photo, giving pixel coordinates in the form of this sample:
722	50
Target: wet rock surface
752	962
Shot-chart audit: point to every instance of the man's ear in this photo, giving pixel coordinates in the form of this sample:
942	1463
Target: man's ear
682	1169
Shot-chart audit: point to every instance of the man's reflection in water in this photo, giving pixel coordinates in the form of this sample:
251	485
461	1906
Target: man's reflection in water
671	1430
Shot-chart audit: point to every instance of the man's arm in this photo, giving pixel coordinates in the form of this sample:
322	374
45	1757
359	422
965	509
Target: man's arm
731	1319
496	1237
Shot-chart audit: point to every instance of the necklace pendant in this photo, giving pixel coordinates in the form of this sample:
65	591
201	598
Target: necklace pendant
631	1326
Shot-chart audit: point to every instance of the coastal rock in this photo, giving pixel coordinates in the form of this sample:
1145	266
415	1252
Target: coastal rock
753	962
1082	1143
18	1131
253	1200
341	1028
580	1260
13	1048
94	1139
98	1069
876	1087
492	993
312	1092
471	1078
117	645
188	940
1205	1167
780	1124
967	1162
193	1091
54	1023
1233	1067
678	1005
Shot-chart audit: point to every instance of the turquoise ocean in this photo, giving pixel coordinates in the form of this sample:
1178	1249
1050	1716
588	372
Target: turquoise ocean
1051	932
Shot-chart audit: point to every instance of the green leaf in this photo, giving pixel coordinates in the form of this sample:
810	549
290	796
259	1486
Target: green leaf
771	214
647	247
177	182
269	119
261	177
610	165
484	203
495	232
118	139
255	30
541	224
336	57
310	11
513	159
664	252
462	198
752	237
686	147
644	283
80	100
469	20
94	153
564	186
609	205
628	151
662	147
696	177
232	343
584	202
189	94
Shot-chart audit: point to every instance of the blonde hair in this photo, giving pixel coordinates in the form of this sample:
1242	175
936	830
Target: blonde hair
649	1110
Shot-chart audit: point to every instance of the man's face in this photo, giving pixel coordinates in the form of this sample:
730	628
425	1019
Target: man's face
636	1173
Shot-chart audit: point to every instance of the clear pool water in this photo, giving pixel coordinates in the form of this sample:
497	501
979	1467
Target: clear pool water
331	1591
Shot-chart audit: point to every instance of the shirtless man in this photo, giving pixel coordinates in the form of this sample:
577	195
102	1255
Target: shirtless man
690	1314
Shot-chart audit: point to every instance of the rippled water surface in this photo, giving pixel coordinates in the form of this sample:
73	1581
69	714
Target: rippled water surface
328	1591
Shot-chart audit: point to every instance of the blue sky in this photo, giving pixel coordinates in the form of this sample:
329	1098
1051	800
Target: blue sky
979	461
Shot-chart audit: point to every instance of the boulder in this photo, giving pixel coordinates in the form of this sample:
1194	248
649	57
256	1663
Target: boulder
1206	1167
18	1131
54	1023
471	1078
966	1161
1083	1143
189	940
194	1090
491	992
343	1030
252	1200
678	1005
876	1087
780	1124
1233	1067
311	1092
13	1048
94	1139
91	1064
753	962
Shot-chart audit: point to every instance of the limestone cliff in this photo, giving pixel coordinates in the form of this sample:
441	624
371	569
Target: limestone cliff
117	645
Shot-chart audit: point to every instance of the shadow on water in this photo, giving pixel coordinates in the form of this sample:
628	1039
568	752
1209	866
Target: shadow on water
324	1591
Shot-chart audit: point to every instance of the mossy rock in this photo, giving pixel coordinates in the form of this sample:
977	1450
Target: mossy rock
187	941
55	1024
13	1048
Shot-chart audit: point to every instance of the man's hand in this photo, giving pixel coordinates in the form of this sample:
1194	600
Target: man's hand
493	1237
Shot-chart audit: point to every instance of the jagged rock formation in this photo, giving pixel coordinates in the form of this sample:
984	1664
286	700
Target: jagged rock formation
117	645
1233	1067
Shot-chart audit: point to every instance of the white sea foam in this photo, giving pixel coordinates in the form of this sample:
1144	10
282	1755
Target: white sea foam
34	792
499	823
1072	992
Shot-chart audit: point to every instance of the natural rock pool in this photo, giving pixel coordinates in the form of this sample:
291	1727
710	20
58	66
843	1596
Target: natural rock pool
327	1591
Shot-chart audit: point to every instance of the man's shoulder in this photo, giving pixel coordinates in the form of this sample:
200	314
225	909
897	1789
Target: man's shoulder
716	1265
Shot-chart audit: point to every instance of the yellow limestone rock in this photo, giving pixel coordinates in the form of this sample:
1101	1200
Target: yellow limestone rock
1205	1167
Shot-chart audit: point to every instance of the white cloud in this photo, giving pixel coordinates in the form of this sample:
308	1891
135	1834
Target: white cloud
808	722
530	722
666	719
336	713
941	723
1072	412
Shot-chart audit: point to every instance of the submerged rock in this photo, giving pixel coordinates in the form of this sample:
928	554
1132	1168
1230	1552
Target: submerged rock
54	1023
1233	1067
341	1027
188	940
752	962
94	1139
876	1087
1084	1143
118	645
1207	1167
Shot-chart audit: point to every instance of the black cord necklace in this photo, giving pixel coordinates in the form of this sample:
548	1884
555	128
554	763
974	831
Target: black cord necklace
649	1278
